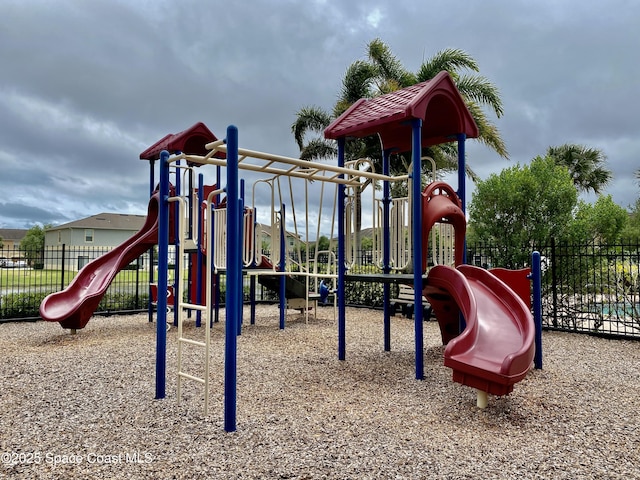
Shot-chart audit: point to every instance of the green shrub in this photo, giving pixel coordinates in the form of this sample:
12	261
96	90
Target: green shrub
123	301
370	294
21	305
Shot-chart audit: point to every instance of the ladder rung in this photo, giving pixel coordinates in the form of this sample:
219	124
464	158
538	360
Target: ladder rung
191	306
191	377
192	342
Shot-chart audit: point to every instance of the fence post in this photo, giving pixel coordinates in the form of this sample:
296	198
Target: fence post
138	282
536	277
554	282
64	245
151	280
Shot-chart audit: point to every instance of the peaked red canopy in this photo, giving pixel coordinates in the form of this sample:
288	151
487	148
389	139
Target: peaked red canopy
190	141
437	102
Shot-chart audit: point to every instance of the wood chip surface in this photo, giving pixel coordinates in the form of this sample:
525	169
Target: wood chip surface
82	406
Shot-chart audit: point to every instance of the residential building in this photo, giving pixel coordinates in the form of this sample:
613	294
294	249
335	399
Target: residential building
10	250
88	238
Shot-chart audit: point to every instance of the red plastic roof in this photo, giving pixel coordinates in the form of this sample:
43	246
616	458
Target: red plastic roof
190	141
437	102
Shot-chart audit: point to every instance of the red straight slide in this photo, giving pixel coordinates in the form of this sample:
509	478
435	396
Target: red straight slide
74	306
496	348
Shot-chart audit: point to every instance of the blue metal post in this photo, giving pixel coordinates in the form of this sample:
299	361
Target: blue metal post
281	266
163	252
190	234
234	269
342	337
462	190
386	249
462	194
199	246
240	256
536	277
211	264
416	154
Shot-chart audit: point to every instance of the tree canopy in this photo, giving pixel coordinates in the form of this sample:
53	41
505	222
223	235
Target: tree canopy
521	207
382	72
601	222
631	232
586	166
32	245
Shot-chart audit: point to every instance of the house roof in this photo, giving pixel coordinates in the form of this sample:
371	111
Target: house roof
13	234
190	141
105	221
437	102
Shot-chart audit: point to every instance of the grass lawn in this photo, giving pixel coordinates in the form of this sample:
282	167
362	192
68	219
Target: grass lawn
22	278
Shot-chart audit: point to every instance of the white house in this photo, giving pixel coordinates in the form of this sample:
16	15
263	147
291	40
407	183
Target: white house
86	239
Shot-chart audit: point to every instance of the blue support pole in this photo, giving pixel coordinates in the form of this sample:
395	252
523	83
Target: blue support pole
342	337
462	190
536	277
282	265
199	246
190	234
416	154
386	249
241	243
234	268
462	194
214	310
163	252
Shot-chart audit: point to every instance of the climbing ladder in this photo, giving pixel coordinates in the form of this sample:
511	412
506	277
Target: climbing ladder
182	307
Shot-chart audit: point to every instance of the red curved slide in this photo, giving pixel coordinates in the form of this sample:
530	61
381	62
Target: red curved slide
440	204
496	348
74	306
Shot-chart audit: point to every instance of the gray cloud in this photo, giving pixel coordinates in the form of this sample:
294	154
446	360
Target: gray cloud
85	87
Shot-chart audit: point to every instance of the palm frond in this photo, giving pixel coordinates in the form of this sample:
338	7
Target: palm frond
309	119
390	69
318	149
488	133
449	59
357	81
481	90
586	166
446	158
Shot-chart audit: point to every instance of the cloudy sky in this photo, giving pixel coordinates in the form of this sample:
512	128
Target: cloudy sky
85	86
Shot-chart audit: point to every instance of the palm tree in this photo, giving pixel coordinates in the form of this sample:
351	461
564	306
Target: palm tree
586	166
382	73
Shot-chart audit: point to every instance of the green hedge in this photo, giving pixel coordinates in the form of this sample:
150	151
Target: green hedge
21	305
27	305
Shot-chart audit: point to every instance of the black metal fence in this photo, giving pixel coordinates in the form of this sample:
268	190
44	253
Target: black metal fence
585	288
588	288
26	278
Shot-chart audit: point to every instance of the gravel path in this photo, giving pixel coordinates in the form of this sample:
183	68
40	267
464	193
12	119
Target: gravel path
82	406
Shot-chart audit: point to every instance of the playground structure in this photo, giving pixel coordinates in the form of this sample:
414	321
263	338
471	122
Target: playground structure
496	347
486	325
